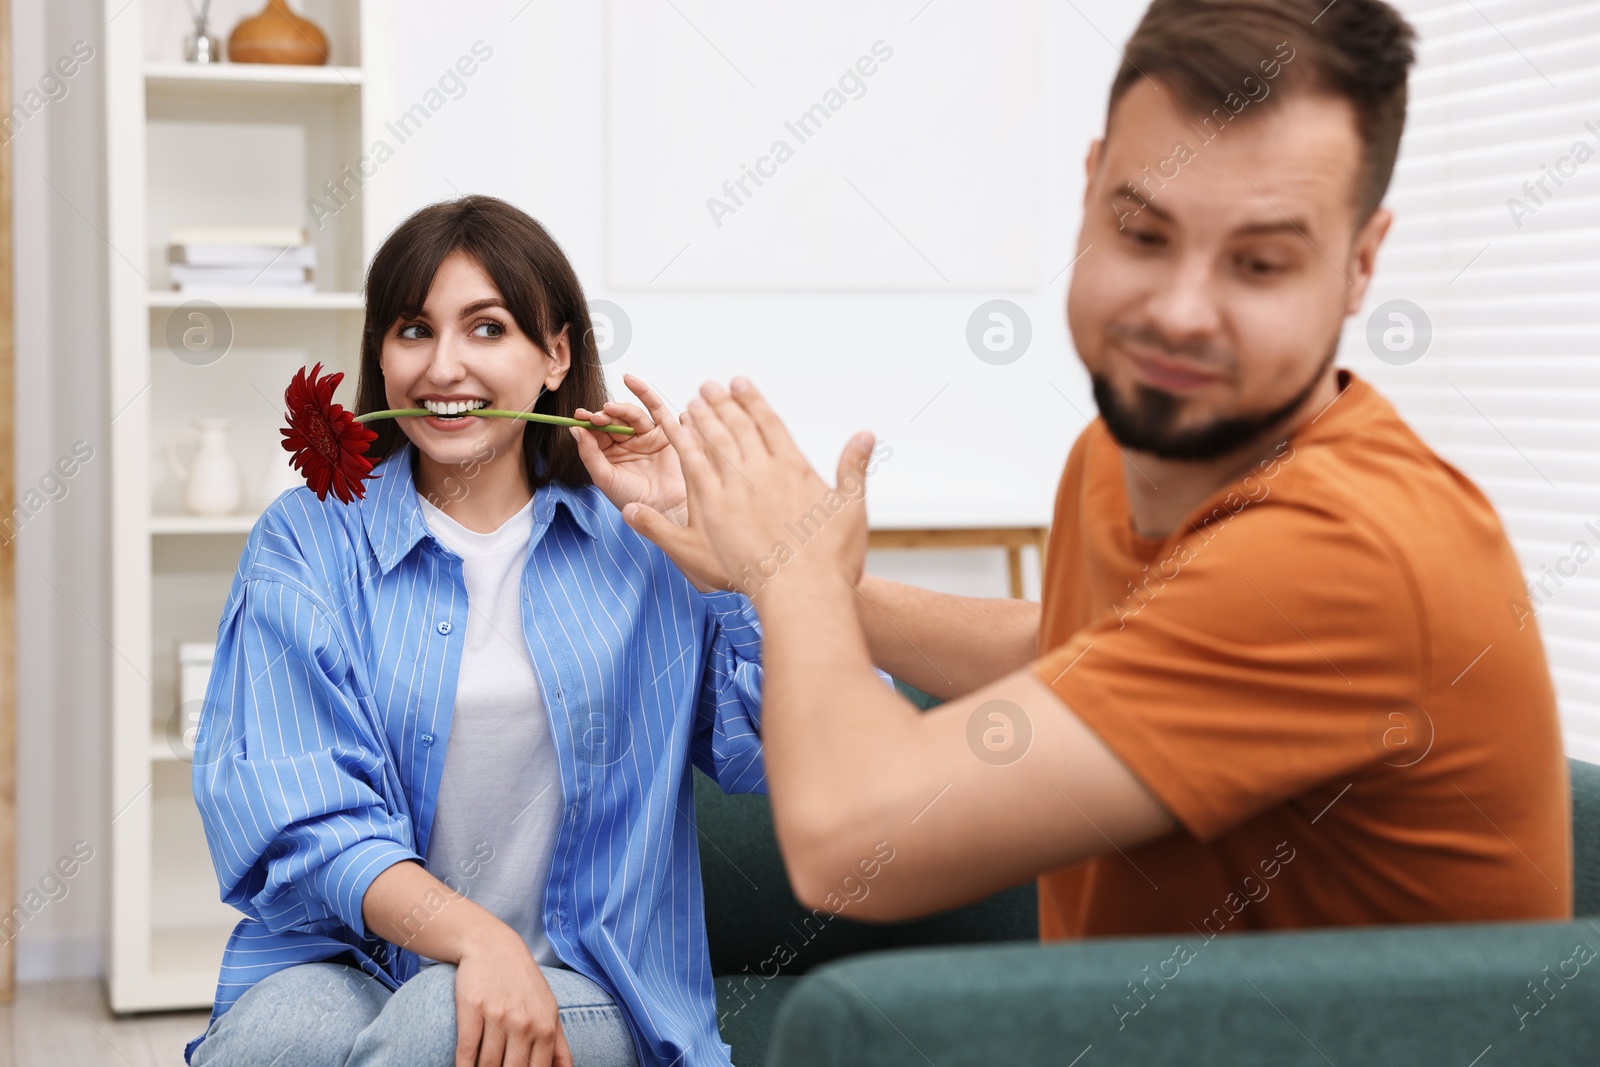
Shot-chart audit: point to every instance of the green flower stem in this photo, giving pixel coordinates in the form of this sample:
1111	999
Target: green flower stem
526	416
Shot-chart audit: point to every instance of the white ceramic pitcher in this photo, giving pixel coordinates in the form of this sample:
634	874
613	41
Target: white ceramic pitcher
278	477
211	482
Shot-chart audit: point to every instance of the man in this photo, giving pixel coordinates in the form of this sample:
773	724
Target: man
1274	681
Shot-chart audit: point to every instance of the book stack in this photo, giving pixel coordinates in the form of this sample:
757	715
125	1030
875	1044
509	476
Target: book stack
205	259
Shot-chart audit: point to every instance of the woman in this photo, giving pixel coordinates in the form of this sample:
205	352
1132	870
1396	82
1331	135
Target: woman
445	747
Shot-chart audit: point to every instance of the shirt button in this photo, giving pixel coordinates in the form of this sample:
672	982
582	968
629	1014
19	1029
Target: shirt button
444	627
427	739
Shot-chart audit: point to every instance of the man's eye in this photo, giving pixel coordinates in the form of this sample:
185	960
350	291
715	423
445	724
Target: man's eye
1146	238
413	332
1260	268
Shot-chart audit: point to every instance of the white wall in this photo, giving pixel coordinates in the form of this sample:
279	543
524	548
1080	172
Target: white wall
891	356
62	551
532	128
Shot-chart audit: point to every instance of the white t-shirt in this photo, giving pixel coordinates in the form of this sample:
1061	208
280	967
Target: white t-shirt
500	802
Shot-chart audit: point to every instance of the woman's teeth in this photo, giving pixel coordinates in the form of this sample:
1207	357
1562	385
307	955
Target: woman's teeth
453	407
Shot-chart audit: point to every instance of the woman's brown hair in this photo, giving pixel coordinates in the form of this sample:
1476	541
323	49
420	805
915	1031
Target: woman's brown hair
541	292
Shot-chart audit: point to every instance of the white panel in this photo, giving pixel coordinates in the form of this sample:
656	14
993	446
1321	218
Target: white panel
778	137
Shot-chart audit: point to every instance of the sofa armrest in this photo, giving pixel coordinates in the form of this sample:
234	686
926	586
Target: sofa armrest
1370	996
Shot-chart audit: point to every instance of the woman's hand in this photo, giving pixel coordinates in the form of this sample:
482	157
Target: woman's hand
641	475
506	1015
641	468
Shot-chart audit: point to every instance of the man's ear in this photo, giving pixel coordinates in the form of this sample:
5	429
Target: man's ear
560	352
1364	256
1091	164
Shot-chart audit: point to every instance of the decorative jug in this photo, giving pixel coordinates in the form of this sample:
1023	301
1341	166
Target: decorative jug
211	482
278	477
278	35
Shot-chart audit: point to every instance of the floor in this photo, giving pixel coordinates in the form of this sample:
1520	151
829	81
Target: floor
67	1024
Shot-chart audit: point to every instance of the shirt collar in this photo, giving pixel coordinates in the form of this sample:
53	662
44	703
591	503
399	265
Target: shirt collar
393	515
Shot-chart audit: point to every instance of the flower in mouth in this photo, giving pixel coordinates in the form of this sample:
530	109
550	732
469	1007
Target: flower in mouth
325	441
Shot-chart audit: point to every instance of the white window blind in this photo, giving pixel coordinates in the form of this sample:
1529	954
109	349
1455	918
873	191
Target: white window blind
1497	242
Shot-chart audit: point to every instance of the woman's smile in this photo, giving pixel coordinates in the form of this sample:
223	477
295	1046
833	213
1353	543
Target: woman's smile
451	413
451	405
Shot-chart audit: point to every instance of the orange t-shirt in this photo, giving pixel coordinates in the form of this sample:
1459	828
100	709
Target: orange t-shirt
1328	675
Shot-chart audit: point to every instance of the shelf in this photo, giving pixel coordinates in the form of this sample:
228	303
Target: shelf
251	299
202	524
262	77
161	750
184	962
181	949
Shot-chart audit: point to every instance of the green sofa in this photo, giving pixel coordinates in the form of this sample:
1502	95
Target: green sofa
797	988
762	940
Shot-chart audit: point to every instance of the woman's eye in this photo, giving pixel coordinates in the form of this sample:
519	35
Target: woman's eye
1146	238
414	332
489	329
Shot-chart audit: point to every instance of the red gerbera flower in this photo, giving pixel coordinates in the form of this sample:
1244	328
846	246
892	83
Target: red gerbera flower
325	440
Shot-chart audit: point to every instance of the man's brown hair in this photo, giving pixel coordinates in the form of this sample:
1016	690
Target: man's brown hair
1205	50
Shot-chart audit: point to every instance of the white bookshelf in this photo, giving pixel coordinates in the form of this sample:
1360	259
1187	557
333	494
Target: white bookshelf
201	524
246	299
223	144
253	77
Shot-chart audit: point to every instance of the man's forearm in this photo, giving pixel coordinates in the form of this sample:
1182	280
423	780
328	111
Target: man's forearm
858	776
945	645
828	726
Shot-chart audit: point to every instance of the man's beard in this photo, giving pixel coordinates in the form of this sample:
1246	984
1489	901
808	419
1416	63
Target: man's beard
1145	425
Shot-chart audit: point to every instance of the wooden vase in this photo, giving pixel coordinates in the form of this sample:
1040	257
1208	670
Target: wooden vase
278	35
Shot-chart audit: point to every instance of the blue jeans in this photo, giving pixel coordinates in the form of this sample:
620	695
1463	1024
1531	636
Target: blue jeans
333	1015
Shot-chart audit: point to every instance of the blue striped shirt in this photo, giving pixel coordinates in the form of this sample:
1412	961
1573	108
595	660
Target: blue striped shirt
322	740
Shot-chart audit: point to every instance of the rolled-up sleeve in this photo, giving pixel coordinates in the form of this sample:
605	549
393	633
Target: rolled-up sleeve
298	802
727	743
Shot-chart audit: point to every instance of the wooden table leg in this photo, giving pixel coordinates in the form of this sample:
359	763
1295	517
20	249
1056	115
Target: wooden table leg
1014	539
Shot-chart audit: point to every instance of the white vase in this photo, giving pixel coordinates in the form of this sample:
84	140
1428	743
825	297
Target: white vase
278	477
211	482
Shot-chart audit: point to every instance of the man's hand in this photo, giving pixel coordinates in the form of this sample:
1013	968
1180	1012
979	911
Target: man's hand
768	516
852	766
506	1015
643	470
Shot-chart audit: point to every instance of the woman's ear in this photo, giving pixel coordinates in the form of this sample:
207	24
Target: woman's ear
560	352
